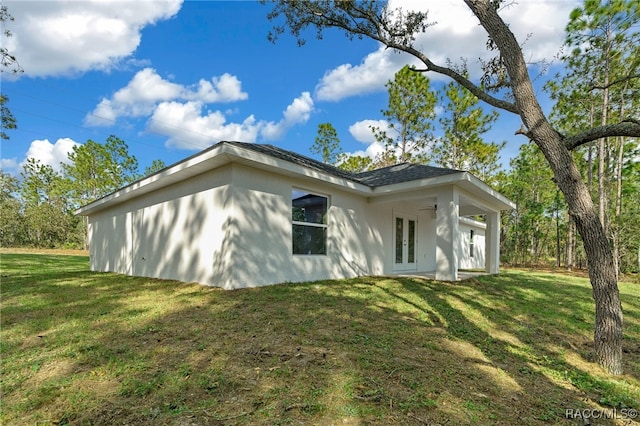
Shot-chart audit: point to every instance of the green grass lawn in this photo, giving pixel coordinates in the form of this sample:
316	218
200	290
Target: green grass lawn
89	348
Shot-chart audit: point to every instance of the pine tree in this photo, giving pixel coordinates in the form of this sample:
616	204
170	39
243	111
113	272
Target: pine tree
410	114
462	147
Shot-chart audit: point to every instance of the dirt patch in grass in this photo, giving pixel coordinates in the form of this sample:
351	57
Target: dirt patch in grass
31	250
50	371
502	350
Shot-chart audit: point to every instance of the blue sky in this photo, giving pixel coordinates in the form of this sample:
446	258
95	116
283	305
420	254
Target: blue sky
171	78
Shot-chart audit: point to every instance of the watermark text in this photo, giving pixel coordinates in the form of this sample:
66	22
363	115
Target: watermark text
597	413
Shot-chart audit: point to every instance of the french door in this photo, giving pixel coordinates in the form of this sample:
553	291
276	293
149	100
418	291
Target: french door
405	229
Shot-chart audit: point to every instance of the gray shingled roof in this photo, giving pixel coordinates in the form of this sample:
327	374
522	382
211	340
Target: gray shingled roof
404	172
385	176
295	158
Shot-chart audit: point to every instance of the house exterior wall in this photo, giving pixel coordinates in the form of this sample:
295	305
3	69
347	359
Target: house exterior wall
427	241
381	217
175	233
262	248
231	227
466	261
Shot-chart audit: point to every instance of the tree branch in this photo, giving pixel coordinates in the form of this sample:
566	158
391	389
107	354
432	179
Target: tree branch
459	78
392	29
523	131
629	127
613	83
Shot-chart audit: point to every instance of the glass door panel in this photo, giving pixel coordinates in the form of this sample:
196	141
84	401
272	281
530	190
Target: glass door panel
404	242
399	249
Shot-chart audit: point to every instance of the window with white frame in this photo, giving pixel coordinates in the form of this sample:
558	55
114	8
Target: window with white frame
471	235
309	222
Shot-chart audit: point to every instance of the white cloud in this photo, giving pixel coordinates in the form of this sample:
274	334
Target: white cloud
51	154
361	130
371	75
104	114
457	34
66	37
188	126
144	90
147	90
373	151
9	165
298	112
226	88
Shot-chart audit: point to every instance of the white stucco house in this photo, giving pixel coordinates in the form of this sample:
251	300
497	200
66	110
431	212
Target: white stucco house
244	215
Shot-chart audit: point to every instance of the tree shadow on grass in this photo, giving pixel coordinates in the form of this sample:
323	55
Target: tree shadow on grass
536	330
118	349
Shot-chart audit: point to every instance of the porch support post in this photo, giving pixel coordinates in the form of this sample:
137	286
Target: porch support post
447	240
492	243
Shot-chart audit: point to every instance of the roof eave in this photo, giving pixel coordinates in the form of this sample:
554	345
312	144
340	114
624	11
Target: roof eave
506	204
219	155
247	156
177	172
464	179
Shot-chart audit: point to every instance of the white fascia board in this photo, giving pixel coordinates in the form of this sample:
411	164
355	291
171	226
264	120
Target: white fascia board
472	222
507	204
412	185
465	180
208	160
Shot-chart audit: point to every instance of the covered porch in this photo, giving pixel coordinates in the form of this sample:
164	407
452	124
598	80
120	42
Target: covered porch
437	230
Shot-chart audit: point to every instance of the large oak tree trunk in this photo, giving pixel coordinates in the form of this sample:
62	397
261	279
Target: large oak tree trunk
602	273
608	322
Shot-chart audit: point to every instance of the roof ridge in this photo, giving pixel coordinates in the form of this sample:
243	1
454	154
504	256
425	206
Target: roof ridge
313	162
396	173
408	164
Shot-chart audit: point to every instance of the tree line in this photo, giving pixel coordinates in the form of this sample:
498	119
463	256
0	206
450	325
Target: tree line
411	132
37	208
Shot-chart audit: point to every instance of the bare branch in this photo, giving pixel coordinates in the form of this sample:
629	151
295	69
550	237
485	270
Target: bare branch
629	127
459	78
614	82
523	131
393	28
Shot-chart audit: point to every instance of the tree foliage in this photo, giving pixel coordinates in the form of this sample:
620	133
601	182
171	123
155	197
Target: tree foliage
38	209
602	84
156	166
529	228
409	114
96	170
462	146
327	144
7	60
397	29
12	226
355	163
47	215
7	120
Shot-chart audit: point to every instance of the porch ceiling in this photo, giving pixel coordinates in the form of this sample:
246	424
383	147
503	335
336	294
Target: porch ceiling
422	200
